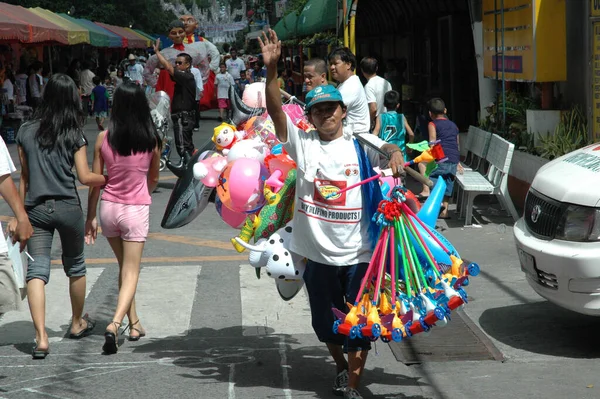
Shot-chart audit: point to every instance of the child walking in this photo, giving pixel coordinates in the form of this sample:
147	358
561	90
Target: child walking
130	150
99	99
391	126
224	81
443	129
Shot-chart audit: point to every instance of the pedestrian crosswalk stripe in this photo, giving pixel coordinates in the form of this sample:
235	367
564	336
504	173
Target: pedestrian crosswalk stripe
164	299
263	310
17	327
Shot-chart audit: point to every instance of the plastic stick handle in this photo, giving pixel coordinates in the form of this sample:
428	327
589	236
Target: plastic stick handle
360	183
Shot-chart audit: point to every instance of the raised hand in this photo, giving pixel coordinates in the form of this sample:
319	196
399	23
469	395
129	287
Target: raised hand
270	48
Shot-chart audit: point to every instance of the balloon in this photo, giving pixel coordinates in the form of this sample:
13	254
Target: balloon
209	169
233	218
250	148
263	128
254	95
241	185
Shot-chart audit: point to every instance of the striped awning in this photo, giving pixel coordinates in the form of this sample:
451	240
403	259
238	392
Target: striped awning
76	34
21	25
129	39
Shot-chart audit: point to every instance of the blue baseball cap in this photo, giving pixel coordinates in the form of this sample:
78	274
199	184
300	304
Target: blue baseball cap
321	94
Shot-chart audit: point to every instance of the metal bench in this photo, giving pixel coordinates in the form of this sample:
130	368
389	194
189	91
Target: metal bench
477	144
493	182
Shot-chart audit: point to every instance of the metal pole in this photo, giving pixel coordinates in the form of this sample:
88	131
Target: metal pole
503	79
495	58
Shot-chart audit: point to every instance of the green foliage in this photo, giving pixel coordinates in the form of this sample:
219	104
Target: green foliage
146	15
570	135
515	127
321	38
296	6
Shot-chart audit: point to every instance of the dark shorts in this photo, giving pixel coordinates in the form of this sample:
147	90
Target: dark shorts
446	171
333	286
66	217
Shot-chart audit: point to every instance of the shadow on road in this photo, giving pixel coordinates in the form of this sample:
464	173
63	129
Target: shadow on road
544	328
273	361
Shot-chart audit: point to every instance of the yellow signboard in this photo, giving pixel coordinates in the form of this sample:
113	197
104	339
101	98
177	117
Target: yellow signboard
535	43
596	82
595	8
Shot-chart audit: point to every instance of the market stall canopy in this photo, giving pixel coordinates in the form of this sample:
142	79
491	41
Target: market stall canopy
20	24
130	40
286	28
150	37
99	37
317	16
76	33
145	38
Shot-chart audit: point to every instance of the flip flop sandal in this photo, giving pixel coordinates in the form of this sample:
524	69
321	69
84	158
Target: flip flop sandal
90	324
39	354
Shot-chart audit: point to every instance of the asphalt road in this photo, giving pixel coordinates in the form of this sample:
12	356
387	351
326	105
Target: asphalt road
215	331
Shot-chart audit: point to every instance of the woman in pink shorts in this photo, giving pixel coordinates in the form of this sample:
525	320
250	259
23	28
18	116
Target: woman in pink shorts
130	150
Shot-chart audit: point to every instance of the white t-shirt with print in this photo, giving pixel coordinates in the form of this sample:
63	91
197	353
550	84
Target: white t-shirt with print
355	99
6	168
330	231
375	90
223	82
234	67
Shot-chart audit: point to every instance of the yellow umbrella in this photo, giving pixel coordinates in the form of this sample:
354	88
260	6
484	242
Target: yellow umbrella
76	33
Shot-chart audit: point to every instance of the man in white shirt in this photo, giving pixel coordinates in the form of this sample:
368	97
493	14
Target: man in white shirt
199	91
87	85
375	88
35	84
342	64
134	70
10	296
333	233
235	65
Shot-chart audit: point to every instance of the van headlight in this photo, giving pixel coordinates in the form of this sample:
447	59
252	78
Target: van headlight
579	223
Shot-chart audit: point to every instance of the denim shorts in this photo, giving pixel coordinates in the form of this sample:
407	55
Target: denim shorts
66	217
447	171
333	286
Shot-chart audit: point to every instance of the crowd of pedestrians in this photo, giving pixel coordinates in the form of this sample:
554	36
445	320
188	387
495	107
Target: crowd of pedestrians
126	166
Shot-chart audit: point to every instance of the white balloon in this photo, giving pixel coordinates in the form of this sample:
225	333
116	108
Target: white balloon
249	148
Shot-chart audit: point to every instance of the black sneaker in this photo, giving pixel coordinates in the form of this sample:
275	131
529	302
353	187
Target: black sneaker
351	393
340	383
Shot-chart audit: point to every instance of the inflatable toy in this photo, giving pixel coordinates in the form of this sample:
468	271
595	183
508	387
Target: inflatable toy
248	148
189	197
241	185
254	95
232	218
208	170
225	136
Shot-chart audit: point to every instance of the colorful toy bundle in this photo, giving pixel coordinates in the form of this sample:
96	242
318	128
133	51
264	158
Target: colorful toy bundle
406	289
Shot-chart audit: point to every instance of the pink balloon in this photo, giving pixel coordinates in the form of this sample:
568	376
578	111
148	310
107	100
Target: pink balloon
254	95
241	185
233	218
209	169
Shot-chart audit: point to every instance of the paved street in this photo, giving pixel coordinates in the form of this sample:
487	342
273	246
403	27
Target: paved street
215	331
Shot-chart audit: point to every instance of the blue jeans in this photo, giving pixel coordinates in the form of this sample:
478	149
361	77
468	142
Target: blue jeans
66	217
328	287
446	171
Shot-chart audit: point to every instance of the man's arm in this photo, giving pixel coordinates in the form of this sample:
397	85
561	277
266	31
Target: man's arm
271	50
215	56
372	112
162	60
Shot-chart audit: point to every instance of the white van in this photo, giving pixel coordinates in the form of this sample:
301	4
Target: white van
558	237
